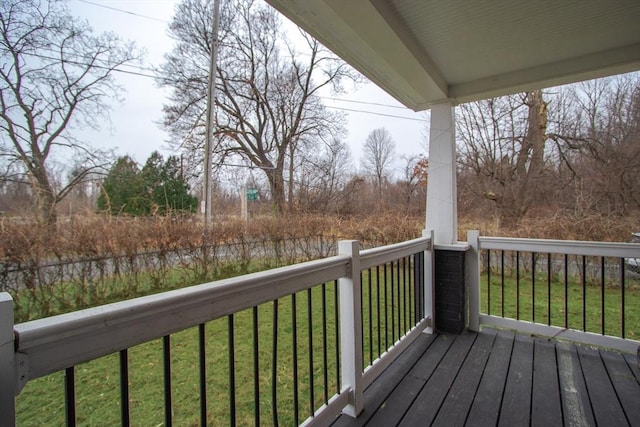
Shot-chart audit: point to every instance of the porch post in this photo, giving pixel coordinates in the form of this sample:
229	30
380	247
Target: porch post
472	274
442	217
350	328
429	283
7	358
442	207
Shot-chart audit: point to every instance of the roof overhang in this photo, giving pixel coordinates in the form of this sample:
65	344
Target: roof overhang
426	51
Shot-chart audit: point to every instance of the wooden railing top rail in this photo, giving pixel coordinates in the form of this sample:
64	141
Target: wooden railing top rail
570	247
57	342
378	256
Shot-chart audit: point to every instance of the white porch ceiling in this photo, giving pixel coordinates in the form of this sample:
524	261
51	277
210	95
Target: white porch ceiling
426	51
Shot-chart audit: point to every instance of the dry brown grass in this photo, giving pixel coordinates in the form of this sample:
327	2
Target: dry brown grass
95	236
559	226
95	259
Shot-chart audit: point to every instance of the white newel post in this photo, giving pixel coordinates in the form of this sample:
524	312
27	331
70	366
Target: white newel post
472	273
7	365
442	208
429	283
350	326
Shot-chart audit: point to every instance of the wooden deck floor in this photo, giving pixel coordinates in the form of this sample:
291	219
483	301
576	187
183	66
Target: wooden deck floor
506	379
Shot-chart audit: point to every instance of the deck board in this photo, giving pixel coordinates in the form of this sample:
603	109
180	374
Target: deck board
411	385
378	391
625	384
439	384
501	378
516	404
457	404
546	406
485	408
576	407
633	364
606	407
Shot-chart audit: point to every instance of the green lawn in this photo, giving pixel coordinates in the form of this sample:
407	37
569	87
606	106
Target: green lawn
515	299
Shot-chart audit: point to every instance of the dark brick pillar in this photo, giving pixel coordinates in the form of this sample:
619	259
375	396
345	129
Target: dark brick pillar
449	291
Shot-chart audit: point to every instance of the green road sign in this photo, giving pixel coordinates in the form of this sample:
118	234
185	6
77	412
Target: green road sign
252	194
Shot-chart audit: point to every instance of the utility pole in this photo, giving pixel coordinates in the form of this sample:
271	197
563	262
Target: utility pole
208	181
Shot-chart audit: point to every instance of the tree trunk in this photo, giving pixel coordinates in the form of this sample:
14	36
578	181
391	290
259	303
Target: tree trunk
523	186
44	195
276	183
535	138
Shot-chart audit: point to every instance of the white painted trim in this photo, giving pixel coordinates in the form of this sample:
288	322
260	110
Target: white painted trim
327	414
472	280
442	204
351	327
460	247
570	247
8	371
429	283
620	60
382	255
381	363
55	343
615	343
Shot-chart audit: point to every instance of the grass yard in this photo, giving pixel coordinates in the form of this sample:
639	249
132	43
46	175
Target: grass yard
515	299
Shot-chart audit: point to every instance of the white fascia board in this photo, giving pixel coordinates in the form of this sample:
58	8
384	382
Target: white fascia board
357	32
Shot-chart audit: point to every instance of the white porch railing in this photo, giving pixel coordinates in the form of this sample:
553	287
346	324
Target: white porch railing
37	348
536	270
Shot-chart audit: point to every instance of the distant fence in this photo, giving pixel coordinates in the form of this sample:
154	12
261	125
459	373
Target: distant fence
43	272
42	287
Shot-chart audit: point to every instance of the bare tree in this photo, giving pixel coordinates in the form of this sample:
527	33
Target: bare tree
502	141
603	149
378	156
412	184
323	176
267	103
55	74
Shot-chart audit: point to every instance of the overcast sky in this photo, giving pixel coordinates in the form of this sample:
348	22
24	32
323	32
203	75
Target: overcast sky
134	128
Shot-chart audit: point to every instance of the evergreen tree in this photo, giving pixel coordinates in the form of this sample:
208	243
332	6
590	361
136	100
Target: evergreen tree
122	189
156	189
165	189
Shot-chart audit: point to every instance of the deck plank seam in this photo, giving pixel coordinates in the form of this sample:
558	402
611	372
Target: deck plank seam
563	416
484	367
589	397
504	389
364	420
613	386
426	380
455	377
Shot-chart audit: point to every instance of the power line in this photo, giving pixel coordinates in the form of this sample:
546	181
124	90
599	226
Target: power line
100	67
123	11
89	58
364	102
156	77
374	113
322	97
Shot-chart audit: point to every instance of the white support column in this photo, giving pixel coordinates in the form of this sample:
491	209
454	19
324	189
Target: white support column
7	362
442	207
429	283
350	328
472	273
